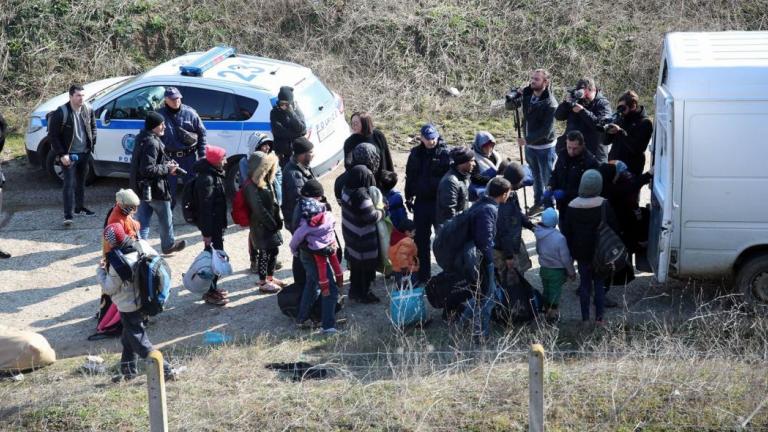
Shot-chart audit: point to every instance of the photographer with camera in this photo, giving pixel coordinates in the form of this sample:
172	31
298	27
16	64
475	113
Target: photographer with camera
150	168
586	110
539	139
629	133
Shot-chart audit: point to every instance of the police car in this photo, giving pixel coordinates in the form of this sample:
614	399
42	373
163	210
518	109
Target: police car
232	93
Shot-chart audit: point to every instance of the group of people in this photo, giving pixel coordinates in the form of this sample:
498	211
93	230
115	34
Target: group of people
601	160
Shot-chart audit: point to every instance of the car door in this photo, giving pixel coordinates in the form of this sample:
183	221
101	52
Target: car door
218	109
119	121
661	221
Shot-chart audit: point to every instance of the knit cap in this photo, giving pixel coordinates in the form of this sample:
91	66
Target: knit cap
153	120
214	155
127	198
312	189
591	184
549	217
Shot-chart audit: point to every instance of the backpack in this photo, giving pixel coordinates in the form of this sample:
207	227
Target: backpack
445	288
611	256
48	116
451	239
189	202
241	212
152	279
517	303
108	322
289	299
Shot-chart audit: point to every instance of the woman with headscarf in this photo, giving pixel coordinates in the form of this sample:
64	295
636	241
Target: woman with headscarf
359	216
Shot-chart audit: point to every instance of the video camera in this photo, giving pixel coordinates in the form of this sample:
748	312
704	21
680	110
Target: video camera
513	99
615	117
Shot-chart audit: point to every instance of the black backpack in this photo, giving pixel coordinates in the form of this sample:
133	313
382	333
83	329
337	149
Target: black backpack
289	299
519	302
451	239
611	256
444	288
152	279
189	202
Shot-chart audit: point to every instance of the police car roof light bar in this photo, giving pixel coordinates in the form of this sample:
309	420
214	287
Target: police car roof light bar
207	60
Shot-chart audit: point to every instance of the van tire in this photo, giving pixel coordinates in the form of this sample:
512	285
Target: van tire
55	173
752	280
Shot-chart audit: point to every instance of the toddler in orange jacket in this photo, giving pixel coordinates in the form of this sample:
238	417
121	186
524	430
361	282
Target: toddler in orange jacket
403	252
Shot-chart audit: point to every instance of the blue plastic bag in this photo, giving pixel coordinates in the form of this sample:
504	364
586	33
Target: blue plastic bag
407	306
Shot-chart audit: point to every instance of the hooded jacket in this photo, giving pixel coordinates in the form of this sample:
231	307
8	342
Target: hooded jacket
404	256
424	170
509	229
482	226
452	195
211	198
359	216
317	233
589	122
552	249
148	165
580	227
265	222
629	147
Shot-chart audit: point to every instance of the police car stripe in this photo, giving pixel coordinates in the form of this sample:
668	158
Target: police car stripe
211	125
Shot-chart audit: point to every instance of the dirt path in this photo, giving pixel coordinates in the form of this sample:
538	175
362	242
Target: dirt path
49	285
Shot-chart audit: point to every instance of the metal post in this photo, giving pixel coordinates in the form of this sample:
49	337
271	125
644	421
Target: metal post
518	128
536	389
158	411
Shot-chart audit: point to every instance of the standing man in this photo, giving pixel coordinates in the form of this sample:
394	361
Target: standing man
453	190
287	122
539	139
72	134
586	110
149	178
184	136
427	163
571	164
295	174
630	135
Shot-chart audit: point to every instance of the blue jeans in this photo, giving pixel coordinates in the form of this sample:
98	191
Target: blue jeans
487	296
586	283
312	290
542	162
165	217
74	184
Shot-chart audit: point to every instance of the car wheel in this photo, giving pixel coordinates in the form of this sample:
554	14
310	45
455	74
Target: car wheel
232	184
752	279
54	171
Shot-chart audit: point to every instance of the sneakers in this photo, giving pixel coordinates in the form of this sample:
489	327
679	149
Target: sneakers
280	283
178	245
121	377
216	298
67	221
82	211
266	287
330	332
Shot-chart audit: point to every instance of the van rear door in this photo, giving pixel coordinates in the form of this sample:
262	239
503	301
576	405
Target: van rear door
661	224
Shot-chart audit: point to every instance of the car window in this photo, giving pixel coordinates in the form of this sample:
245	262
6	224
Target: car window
314	97
246	107
135	104
211	104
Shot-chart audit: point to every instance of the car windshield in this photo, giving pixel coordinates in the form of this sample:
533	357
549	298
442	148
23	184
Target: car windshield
314	97
112	87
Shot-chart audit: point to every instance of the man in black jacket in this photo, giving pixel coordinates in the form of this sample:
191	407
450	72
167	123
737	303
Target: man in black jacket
150	168
571	164
287	122
630	135
72	134
453	190
539	107
211	201
427	163
295	174
588	115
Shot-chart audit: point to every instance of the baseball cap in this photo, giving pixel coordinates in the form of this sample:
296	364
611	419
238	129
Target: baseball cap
429	132
172	93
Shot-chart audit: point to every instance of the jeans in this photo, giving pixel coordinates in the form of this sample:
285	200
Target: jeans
165	217
586	283
74	184
487	296
135	343
186	164
424	219
312	290
542	162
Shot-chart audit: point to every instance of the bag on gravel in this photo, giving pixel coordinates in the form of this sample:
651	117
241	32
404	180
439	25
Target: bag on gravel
108	322
289	299
152	279
199	276
23	350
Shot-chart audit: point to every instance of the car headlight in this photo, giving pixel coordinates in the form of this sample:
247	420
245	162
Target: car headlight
35	124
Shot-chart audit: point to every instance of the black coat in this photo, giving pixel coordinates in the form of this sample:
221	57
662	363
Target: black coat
286	127
424	170
211	199
294	177
589	122
61	128
629	147
539	117
148	166
580	227
265	220
567	175
3	131
452	195
509	229
380	141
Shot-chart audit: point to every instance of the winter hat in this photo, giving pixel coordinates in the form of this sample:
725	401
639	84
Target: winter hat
591	184
127	198
312	189
214	155
310	208
549	217
301	145
285	94
153	120
406	225
482	138
460	155
115	235
429	132
366	154
514	173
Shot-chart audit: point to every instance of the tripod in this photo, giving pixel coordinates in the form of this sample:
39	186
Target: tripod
518	128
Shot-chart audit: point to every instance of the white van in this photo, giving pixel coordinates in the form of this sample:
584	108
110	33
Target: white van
709	200
232	93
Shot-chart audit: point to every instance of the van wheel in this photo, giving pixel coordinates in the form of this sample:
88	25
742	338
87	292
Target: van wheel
752	279
232	180
54	171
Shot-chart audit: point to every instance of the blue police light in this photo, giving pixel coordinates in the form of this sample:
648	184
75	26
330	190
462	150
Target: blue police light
208	60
